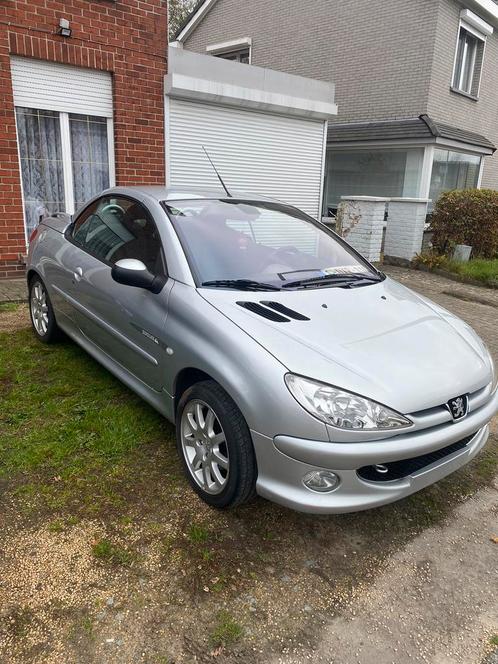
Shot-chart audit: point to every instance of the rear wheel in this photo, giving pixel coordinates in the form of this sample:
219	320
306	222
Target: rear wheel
42	314
215	446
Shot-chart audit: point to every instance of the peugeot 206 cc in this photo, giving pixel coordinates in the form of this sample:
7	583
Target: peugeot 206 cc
291	367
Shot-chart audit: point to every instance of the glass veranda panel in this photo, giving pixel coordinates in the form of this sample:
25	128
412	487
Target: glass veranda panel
389	173
453	170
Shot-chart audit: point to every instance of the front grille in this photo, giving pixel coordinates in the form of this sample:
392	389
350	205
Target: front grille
395	470
437	416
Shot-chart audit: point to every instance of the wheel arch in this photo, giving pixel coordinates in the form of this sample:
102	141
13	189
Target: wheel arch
31	273
185	378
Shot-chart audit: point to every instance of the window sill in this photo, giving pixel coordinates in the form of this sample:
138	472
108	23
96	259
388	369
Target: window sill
464	94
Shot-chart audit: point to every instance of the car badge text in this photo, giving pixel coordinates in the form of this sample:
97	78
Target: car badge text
150	336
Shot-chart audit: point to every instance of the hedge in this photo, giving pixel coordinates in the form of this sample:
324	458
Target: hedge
467	216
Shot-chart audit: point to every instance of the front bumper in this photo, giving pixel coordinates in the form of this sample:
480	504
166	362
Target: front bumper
283	461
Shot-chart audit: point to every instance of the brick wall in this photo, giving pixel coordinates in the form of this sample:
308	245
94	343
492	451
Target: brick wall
405	228
388	59
450	107
362	224
125	37
378	54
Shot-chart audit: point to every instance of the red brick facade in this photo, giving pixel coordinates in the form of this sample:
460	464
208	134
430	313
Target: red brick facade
125	37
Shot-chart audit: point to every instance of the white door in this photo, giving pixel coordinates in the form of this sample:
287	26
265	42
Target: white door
256	153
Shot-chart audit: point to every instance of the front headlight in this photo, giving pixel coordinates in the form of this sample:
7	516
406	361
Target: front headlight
342	409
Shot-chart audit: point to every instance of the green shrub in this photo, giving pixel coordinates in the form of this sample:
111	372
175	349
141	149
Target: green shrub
468	216
430	259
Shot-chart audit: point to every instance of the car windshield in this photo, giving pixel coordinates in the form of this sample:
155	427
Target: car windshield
262	244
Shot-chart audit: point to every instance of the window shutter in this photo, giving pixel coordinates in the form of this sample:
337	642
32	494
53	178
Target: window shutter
64	88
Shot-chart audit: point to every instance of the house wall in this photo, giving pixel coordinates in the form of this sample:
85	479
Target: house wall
455	109
127	38
389	59
379	55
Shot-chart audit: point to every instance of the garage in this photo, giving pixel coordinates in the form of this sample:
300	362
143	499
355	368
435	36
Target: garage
264	130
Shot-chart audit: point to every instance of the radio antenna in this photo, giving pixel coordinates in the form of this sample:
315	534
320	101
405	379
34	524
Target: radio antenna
219	176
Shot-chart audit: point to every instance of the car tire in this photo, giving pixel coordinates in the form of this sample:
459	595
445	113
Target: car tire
42	313
224	440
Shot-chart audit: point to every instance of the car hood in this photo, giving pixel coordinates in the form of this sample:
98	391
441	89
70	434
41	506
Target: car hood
382	341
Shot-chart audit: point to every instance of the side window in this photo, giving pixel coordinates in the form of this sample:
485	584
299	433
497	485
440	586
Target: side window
113	228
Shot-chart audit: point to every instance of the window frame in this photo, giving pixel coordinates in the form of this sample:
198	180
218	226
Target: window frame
236	55
69	233
475	77
20	158
66	138
232	47
67	156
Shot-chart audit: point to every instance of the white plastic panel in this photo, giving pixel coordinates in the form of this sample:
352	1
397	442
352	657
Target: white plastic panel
55	87
257	153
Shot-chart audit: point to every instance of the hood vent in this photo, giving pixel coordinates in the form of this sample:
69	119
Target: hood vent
263	311
281	308
274	311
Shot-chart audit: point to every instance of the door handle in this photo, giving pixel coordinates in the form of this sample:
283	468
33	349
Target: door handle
78	274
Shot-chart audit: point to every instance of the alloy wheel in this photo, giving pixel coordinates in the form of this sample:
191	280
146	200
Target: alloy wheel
204	446
39	309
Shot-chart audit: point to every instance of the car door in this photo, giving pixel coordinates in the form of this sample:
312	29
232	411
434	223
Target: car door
125	322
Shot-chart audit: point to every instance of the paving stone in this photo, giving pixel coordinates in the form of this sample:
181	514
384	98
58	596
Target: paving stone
13	290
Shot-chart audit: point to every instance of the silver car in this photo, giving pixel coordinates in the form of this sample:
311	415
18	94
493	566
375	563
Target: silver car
291	367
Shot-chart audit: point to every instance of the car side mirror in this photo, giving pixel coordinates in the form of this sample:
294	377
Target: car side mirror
132	272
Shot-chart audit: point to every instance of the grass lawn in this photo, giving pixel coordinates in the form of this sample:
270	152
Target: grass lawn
67	427
478	269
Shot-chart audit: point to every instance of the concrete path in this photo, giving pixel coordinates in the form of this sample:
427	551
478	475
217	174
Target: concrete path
13	290
436	601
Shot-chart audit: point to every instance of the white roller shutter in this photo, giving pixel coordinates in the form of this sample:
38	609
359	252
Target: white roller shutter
54	87
255	152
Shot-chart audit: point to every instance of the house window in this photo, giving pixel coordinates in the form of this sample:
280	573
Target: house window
469	55
42	170
237	50
89	156
453	170
64	161
237	56
468	62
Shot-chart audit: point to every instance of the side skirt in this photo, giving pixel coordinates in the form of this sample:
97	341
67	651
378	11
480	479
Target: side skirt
161	401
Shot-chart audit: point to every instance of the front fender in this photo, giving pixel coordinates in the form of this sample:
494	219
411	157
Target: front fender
203	338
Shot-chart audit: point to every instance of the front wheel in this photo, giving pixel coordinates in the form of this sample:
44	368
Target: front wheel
215	446
42	314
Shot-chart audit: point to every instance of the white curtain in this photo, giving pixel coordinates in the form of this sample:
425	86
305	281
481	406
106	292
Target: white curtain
89	156
41	164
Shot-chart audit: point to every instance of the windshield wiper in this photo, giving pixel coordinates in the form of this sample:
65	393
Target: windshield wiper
336	279
241	284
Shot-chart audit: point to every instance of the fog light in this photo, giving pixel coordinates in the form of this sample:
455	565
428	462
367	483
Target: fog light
321	480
